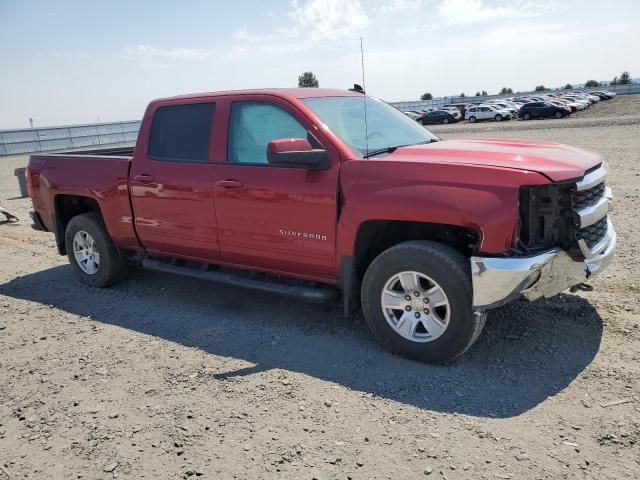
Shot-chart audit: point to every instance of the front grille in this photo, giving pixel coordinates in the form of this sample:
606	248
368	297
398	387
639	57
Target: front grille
593	233
589	197
586	200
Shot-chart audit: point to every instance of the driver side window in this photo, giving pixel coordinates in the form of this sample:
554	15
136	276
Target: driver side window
253	125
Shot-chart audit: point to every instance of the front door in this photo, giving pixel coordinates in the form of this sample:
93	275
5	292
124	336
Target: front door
274	217
171	183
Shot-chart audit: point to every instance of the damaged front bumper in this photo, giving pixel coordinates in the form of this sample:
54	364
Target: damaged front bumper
497	281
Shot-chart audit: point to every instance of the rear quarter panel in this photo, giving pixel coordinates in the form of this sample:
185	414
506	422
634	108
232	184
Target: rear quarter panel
102	178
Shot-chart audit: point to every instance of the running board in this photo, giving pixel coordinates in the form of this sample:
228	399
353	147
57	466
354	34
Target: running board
309	294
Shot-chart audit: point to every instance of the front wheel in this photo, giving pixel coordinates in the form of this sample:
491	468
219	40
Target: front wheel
445	121
498	118
92	254
558	115
472	119
416	297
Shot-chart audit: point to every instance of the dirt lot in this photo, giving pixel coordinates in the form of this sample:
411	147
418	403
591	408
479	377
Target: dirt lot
164	377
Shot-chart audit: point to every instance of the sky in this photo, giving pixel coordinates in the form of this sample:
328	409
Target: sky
67	61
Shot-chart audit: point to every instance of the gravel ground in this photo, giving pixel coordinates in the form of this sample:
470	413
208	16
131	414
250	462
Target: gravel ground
165	377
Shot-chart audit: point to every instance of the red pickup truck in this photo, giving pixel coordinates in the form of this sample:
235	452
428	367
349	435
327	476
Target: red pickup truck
317	193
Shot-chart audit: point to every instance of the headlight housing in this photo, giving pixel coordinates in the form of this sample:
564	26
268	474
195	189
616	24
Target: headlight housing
546	217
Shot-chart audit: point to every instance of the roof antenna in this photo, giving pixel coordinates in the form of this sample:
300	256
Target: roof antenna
364	99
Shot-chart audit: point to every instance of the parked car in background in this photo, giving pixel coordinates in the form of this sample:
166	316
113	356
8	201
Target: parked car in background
590	99
580	102
601	95
605	95
513	110
438	116
542	110
461	107
452	110
411	115
572	106
562	105
487	112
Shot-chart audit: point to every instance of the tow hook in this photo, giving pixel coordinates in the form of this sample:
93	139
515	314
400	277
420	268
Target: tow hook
583	287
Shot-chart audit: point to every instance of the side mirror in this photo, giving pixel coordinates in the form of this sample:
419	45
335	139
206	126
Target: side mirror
296	153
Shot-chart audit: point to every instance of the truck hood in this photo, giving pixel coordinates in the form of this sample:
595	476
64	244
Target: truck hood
556	161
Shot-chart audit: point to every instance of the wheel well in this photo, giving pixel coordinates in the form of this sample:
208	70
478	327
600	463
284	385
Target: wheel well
375	236
67	207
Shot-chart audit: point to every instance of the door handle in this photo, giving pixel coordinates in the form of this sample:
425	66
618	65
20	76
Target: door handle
229	183
144	178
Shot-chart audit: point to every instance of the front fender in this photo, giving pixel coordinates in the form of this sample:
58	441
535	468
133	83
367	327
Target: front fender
480	198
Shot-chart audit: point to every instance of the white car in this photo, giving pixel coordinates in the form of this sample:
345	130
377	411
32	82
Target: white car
573	106
486	112
580	102
513	110
453	111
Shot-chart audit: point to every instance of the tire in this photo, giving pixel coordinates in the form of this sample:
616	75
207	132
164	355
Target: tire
498	118
111	267
444	268
527	116
558	115
472	119
445	121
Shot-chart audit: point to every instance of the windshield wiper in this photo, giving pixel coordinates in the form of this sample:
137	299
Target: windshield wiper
373	153
392	149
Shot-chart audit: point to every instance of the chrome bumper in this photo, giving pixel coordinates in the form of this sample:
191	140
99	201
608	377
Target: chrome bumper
497	281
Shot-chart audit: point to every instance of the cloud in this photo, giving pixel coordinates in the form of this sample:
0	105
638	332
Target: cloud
400	6
462	12
282	40
311	21
330	19
149	53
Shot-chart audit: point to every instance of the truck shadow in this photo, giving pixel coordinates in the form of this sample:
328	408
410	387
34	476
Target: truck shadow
527	353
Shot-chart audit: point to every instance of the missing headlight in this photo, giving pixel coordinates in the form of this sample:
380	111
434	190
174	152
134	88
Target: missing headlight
546	217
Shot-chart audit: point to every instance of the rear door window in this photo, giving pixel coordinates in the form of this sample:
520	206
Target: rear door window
181	133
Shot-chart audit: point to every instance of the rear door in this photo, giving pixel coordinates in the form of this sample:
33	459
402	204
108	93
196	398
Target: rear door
171	181
274	217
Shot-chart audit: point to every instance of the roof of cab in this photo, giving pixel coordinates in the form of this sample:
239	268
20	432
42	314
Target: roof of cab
279	92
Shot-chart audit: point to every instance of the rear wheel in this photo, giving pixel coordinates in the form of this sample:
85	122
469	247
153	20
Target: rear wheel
527	116
92	254
416	297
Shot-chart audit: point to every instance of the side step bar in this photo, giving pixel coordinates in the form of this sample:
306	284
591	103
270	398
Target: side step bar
309	294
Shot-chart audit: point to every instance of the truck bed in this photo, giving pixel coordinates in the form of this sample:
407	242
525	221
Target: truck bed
100	176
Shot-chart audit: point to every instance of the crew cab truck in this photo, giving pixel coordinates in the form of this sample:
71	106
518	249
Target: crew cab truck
319	193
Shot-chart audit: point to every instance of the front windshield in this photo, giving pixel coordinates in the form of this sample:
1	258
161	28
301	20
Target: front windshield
386	126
